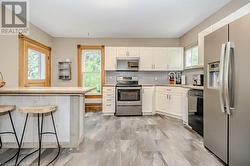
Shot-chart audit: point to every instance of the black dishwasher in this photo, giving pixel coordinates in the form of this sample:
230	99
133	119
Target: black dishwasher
195	110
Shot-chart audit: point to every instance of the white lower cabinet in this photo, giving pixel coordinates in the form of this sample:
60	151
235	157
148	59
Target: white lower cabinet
171	101
148	100
108	101
175	104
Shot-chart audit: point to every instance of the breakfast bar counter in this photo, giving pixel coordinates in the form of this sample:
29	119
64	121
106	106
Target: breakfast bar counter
69	116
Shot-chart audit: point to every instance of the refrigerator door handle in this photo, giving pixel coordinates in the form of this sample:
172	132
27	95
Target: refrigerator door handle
221	77
228	77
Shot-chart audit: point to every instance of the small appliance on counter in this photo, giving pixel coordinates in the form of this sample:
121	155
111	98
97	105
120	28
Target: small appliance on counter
178	78
171	78
198	80
128	97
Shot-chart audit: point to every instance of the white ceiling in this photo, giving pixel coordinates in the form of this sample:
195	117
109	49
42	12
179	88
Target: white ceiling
121	18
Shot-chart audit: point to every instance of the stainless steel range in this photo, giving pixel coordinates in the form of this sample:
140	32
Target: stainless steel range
128	97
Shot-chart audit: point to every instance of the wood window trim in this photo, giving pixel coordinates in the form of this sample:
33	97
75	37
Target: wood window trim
25	43
79	52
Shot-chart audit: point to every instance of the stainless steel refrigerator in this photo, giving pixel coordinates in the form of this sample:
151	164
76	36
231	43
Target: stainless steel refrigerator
227	93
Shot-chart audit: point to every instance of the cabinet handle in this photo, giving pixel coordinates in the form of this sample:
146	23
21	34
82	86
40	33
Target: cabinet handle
167	97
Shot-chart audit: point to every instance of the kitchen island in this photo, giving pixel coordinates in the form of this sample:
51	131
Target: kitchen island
69	116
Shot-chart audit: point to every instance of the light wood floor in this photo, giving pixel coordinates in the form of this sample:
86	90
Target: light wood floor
131	141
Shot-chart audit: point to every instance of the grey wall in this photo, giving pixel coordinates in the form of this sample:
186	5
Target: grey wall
192	36
9	53
64	48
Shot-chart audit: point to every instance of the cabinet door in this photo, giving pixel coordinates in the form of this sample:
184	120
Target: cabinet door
122	52
147	99
146	57
110	58
133	51
161	102
160	59
175	58
175	104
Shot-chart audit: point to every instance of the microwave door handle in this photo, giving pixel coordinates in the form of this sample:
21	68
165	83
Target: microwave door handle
229	74
221	77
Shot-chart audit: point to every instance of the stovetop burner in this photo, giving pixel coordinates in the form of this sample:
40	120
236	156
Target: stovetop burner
127	82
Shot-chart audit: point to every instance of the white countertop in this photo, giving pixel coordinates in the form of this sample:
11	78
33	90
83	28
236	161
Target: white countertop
45	90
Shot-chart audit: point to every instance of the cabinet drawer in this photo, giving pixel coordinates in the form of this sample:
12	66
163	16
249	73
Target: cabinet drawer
108	100
109	104
109	90
108	95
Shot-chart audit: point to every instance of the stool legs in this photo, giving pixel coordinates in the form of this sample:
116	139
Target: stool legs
14	133
58	144
40	133
21	142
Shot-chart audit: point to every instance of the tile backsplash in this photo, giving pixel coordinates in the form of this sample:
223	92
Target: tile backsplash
144	77
151	77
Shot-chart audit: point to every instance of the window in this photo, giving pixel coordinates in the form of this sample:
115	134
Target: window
191	56
91	73
34	63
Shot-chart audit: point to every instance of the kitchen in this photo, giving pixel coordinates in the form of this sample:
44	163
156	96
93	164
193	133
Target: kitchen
127	96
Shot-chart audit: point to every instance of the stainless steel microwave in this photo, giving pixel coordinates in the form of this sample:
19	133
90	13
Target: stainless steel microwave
127	64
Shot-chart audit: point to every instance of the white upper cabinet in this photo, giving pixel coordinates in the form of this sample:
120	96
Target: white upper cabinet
122	52
128	52
146	59
160	59
175	58
151	58
133	51
110	58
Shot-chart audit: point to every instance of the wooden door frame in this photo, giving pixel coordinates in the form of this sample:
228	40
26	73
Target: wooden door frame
25	43
79	55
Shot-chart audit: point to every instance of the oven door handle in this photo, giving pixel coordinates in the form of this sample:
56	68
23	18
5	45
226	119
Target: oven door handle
128	87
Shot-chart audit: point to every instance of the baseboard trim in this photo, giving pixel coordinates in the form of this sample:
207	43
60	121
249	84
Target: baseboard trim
169	115
108	113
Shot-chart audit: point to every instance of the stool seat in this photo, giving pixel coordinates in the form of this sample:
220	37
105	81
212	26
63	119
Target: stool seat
38	110
6	108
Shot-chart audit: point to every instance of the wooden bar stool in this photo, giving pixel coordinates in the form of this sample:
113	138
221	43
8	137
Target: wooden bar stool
39	111
3	110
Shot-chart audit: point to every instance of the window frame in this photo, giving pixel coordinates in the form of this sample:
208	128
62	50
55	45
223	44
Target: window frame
185	56
80	48
25	44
